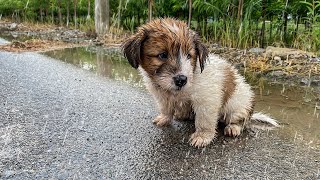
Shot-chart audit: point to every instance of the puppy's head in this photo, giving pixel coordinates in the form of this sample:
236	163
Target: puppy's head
168	51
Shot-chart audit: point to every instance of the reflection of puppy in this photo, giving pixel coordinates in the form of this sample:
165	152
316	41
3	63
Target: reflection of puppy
172	60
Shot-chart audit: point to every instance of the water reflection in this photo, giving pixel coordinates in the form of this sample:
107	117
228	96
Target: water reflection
295	107
104	62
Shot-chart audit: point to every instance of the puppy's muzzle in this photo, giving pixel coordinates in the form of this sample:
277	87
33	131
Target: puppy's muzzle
180	80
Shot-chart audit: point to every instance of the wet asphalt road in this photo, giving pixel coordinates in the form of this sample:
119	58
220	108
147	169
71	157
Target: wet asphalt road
61	122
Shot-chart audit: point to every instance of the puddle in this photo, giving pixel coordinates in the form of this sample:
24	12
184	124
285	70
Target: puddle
297	108
104	62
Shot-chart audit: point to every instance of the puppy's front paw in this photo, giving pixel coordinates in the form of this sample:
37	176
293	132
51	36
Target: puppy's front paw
162	120
201	139
233	130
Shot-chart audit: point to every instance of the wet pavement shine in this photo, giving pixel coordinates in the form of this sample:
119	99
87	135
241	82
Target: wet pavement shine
59	121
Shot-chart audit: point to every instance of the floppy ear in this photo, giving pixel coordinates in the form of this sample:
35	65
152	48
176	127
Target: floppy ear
202	51
132	49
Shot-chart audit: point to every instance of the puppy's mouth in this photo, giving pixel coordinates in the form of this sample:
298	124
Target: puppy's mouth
178	88
180	81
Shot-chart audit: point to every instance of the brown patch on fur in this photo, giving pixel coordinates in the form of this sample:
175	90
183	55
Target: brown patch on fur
163	35
202	51
132	48
229	85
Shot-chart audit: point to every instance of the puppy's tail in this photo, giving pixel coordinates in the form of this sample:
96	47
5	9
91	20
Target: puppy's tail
262	121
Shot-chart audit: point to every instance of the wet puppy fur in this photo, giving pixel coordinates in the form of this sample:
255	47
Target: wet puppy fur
185	81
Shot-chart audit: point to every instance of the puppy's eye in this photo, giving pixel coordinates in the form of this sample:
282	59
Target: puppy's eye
189	56
163	56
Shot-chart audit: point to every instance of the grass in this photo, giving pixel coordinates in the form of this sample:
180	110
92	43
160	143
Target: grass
247	34
230	33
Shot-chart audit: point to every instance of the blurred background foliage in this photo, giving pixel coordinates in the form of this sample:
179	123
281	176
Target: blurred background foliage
230	23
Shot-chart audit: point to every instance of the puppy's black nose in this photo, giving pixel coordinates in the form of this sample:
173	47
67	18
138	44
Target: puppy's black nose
180	80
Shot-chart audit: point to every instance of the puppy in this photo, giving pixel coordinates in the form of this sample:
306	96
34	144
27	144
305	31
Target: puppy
185	80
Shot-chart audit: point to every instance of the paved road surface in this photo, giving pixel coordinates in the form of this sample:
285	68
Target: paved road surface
61	122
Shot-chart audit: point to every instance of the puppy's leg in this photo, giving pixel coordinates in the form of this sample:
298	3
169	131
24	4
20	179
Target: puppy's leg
235	123
238	111
206	122
166	112
233	129
183	111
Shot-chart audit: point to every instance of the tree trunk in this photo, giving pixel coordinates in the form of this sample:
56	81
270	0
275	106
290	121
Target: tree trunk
263	23
150	4
59	12
285	26
239	17
257	29
305	25
138	17
285	21
41	14
52	16
190	13
75	13
240	10
119	13
46	13
102	16
68	12
89	16
206	26
107	14
297	26
270	32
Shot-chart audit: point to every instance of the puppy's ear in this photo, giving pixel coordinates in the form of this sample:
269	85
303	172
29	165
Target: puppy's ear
202	51
132	48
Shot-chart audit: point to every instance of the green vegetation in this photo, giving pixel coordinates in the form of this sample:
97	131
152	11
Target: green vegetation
231	23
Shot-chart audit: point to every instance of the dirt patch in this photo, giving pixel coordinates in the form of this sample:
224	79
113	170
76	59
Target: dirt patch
283	53
30	36
275	63
40	37
22	31
36	45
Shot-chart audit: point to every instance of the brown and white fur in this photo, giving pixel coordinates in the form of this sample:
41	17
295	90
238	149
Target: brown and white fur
184	80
